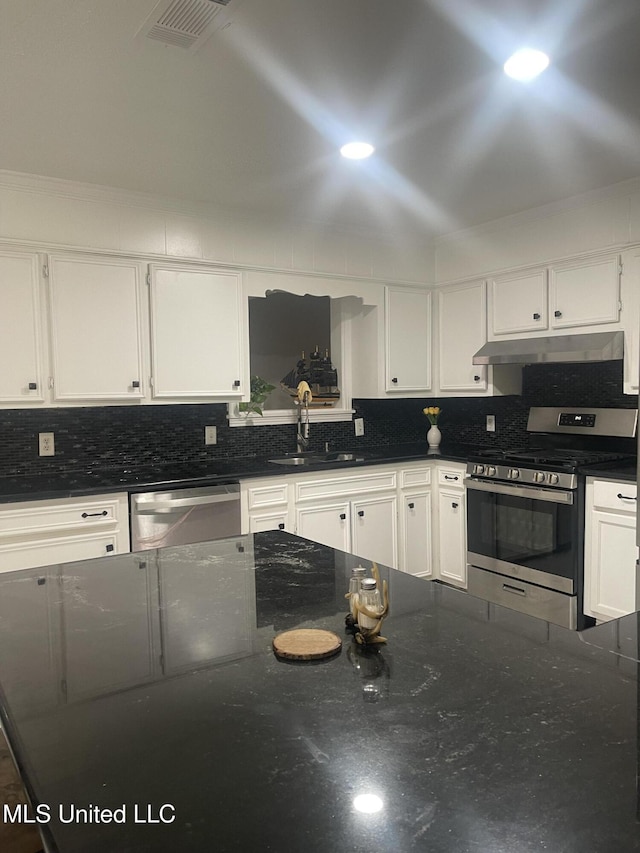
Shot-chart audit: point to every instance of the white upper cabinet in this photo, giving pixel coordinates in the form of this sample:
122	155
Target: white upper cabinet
585	293
462	330
20	323
96	339
518	302
408	340
578	293
196	333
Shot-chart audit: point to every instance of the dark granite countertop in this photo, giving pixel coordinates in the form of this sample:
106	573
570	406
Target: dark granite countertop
147	679
626	471
103	479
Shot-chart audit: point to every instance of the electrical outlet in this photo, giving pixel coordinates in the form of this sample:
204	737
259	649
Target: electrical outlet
46	444
210	435
358	426
491	423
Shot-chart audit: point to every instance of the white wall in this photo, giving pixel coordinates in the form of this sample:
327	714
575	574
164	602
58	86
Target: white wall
600	220
46	212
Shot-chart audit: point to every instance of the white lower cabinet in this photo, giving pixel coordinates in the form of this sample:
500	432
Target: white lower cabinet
415	520
610	549
374	529
40	533
411	517
357	512
327	523
451	551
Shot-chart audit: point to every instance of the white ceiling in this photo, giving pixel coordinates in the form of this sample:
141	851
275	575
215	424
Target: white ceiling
252	120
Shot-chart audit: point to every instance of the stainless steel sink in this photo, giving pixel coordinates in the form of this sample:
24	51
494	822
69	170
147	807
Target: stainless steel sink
297	460
317	458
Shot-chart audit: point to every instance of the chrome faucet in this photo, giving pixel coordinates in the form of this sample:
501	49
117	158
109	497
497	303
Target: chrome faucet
302	432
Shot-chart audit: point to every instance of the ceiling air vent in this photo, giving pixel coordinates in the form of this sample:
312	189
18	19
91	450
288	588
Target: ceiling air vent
184	23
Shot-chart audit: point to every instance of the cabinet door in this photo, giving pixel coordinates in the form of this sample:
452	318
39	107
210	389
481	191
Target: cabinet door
416	534
328	524
585	293
20	339
374	530
518	303
195	333
408	340
610	576
452	536
462	321
96	339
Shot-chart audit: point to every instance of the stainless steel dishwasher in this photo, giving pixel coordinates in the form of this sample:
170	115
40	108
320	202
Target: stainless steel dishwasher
183	516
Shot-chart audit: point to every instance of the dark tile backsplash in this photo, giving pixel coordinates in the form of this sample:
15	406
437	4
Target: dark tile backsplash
130	437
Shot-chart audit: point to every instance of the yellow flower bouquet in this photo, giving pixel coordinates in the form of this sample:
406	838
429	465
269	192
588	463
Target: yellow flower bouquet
433	413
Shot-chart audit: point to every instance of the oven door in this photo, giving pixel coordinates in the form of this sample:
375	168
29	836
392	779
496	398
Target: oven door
525	532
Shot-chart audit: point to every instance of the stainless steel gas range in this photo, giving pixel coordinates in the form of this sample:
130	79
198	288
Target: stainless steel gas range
525	512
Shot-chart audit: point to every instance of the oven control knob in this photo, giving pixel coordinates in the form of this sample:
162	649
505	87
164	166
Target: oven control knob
478	469
554	479
491	471
539	477
514	473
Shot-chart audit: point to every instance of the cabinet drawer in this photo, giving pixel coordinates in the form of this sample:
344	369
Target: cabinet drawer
35	517
383	481
268	495
416	477
619	496
451	476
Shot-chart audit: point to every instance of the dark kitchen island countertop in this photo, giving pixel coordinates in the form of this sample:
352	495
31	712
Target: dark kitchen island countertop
104	479
145	680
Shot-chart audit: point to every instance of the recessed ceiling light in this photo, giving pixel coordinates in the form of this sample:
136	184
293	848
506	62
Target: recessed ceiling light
357	150
368	803
525	64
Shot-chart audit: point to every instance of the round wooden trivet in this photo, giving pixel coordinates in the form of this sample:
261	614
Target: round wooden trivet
306	644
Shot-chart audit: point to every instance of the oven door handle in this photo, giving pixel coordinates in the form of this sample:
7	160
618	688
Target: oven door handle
557	496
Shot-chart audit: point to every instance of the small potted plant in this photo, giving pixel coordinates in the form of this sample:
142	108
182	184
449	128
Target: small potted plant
260	390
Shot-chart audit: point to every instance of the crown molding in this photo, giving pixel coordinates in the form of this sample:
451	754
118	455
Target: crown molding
618	190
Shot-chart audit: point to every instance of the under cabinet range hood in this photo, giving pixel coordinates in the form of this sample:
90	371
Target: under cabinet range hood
599	346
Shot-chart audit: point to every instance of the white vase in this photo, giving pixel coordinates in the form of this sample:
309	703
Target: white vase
434	436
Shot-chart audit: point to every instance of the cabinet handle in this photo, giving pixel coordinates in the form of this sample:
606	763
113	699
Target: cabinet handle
42	581
557	313
342	516
109	548
395	379
361	513
455	506
94	514
411	505
135	383
281	526
536	316
476	378
236	383
626	497
33	386
447	477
